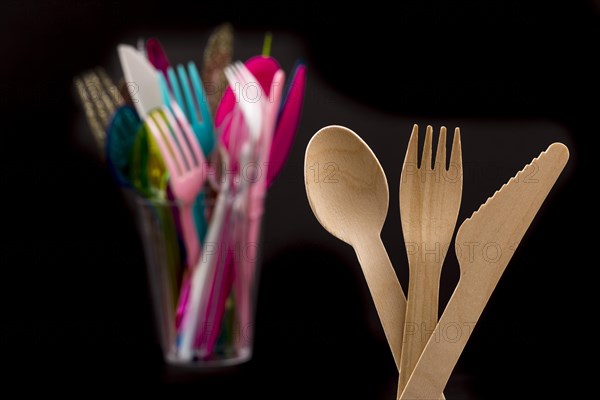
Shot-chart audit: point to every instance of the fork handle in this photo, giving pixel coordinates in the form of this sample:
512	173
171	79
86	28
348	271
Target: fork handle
190	236
385	289
440	356
192	249
421	312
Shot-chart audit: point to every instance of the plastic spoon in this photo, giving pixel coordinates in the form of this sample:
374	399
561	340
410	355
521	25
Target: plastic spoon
157	56
120	137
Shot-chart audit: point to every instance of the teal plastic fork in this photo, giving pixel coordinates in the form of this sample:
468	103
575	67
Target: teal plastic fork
189	94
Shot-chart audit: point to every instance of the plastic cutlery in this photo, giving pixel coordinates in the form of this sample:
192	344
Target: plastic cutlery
188	93
187	89
257	197
263	69
287	123
501	223
184	160
254	113
201	276
178	145
244	123
221	279
142	74
149	177
245	265
348	193
120	138
156	55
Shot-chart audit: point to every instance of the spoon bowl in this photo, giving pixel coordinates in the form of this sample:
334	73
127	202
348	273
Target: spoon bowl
346	186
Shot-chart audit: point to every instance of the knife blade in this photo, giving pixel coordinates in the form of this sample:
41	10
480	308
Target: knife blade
142	80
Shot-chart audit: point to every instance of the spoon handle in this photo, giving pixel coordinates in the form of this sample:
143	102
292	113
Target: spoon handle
385	289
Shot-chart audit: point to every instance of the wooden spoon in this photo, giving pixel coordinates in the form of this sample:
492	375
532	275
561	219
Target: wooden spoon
348	193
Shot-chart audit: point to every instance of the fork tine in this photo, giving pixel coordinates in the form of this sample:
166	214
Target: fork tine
426	158
199	93
246	77
178	140
188	107
456	156
175	86
186	136
440	156
174	147
166	152
413	146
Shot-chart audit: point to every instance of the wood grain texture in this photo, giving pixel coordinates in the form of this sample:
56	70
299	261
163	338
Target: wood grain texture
348	193
429	204
484	245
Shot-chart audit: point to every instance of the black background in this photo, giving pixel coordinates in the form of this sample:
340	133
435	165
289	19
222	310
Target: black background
515	77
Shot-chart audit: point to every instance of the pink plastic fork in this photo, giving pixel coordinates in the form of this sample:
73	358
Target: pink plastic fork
186	165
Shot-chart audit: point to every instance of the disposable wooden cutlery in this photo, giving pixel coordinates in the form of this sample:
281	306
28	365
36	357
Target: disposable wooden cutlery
348	193
429	203
484	245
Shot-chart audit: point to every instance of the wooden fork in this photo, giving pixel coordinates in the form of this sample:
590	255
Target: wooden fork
429	203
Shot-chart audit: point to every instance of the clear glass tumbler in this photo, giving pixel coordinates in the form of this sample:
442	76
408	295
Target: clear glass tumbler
224	324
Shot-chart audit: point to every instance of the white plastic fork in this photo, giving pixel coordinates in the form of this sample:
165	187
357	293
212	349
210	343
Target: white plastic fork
186	165
239	77
237	74
255	116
